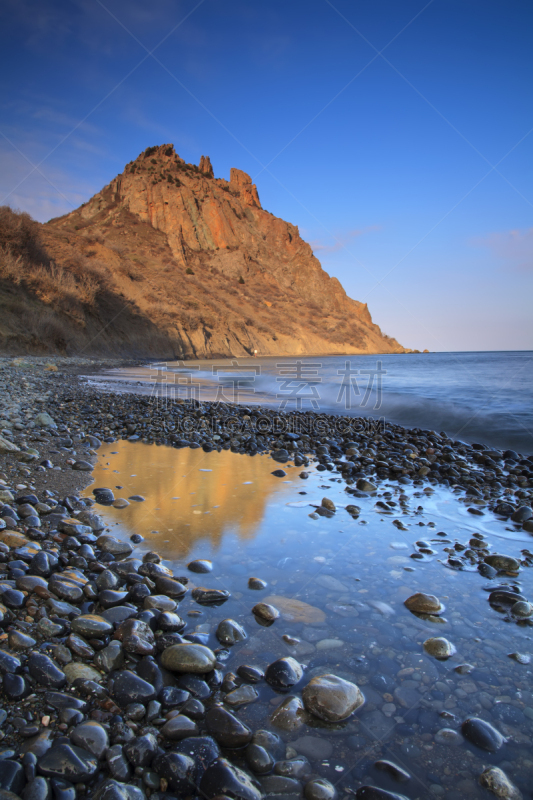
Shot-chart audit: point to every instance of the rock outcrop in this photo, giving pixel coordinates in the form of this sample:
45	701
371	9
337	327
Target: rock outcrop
198	269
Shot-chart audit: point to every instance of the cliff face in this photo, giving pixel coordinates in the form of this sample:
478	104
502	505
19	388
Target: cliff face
196	263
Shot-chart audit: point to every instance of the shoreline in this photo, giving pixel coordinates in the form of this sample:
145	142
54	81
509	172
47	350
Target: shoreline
61	673
38	385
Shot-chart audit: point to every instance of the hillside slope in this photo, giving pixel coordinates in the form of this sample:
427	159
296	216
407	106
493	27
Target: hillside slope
169	261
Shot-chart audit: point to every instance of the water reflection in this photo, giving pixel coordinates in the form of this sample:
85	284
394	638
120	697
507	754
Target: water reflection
340	584
189	495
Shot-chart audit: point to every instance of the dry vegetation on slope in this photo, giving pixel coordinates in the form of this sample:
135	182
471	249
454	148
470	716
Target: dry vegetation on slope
168	261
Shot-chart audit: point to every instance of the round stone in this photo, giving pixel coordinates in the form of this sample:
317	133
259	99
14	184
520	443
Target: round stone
194	658
259	759
200	565
422	603
439	647
331	698
502	563
257	583
90	736
112	545
179	727
284	673
160	601
230	632
91	626
83	466
266	612
522	609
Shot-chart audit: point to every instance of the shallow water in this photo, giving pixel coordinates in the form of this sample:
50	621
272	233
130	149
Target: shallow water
483	397
355	575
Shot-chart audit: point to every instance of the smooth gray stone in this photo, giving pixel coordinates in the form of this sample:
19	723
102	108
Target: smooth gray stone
90	736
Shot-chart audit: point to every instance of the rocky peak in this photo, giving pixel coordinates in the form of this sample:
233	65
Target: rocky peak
221	274
243	183
206	167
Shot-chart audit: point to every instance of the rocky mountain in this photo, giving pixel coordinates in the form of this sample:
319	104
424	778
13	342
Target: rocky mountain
169	261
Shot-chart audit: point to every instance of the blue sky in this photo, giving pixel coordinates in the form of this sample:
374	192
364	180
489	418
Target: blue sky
396	135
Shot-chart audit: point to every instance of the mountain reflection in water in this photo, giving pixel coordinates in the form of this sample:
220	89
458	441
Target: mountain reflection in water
183	502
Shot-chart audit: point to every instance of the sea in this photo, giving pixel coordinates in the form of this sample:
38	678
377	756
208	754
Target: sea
484	397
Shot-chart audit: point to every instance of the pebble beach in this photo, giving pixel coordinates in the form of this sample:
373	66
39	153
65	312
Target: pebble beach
338	653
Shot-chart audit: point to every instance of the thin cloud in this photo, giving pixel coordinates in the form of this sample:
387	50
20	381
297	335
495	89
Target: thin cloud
514	247
342	240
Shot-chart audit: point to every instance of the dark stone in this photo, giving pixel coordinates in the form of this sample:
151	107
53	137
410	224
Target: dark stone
29	762
141	751
203	750
170	622
279	473
482	734
222	778
230	632
138	592
136	637
112	790
45	672
149	670
283	673
193	708
109	598
12	598
210	597
226	729
130	688
200	565
259	759
79	646
169	587
42	564
117	762
63	790
90	736
66	589
15	687
58	700
178	770
69	762
195	685
37	789
179	727
250	674
172	696
12	778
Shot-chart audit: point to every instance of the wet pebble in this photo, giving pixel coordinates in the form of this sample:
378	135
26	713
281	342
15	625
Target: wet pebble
482	734
284	673
226	729
230	632
331	698
195	658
